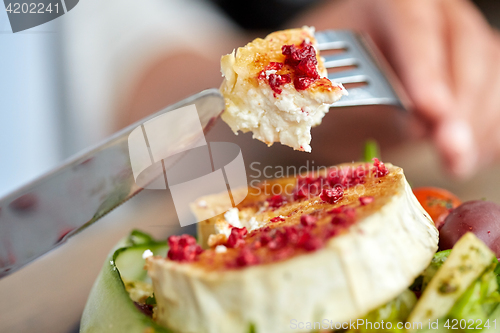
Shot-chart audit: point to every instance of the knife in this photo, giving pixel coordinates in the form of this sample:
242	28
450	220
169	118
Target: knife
43	214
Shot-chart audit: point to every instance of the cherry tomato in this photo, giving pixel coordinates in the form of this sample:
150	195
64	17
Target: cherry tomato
437	202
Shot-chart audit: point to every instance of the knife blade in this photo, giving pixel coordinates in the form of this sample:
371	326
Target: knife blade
43	214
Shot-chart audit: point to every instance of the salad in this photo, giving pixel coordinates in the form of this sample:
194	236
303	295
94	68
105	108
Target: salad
458	289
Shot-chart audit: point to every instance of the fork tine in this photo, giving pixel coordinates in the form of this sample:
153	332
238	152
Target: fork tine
339	60
350	76
381	85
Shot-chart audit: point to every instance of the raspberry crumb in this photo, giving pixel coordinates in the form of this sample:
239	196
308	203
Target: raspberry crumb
276	201
313	244
183	248
246	258
236	238
308	220
332	195
303	61
380	169
365	200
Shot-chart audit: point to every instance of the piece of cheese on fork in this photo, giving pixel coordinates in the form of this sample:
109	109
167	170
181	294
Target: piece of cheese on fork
333	245
277	88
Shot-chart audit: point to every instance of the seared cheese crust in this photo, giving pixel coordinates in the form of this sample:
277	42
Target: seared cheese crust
365	265
251	103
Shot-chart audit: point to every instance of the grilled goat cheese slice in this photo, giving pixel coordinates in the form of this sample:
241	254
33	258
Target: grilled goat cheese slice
334	245
277	88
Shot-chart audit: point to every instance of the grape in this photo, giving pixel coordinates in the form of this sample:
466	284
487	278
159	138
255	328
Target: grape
479	217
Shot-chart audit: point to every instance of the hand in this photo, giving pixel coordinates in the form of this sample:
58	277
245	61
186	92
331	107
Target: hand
448	59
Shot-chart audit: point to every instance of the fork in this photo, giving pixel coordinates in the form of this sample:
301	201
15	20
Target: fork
357	64
29	226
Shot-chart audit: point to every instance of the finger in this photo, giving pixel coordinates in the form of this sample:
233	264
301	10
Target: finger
414	33
476	142
470	49
486	115
470	55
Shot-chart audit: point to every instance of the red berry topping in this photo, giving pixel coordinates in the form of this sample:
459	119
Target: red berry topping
307	68
276	81
278	241
265	239
348	176
313	243
277	219
291	53
283	253
365	200
331	232
336	210
302	82
349	212
308	220
236	237
303	61
308	186
276	201
332	195
256	245
183	248
300	193
246	258
274	66
294	55
337	220
380	169
291	234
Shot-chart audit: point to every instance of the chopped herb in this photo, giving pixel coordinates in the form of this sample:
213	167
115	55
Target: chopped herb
151	300
371	150
447	288
251	329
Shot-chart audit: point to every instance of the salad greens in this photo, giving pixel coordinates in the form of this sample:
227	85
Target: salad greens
436	263
395	311
468	261
479	301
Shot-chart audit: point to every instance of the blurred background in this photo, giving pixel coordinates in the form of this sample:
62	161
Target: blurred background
68	84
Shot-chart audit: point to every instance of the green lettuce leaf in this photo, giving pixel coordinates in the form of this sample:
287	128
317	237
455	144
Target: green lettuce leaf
395	311
479	301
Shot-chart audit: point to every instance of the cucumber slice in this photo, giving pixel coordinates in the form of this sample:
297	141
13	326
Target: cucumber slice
109	307
130	263
138	237
468	260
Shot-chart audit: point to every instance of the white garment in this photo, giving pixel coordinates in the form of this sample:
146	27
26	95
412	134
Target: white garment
103	46
109	42
29	137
